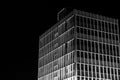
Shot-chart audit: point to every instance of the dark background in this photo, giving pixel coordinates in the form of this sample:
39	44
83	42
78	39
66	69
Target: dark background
27	22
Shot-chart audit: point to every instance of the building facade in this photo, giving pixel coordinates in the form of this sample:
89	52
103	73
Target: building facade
81	46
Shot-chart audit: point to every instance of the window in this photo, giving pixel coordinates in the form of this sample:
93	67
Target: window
81	30
96	47
103	35
85	45
78	20
104	51
114	50
111	50
107	49
93	47
82	55
99	25
88	32
106	27
78	66
78	56
96	33
92	32
106	35
85	31
112	27
81	21
86	69
96	56
117	51
82	67
78	78
84	22
92	23
97	69
109	27
101	58
81	44
116	37
95	24
78	44
89	55
100	35
78	31
85	55
89	46
103	27
116	29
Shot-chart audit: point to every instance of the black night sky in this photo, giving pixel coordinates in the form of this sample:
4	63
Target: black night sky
29	23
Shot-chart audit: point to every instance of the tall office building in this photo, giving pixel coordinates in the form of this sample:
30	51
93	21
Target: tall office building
81	46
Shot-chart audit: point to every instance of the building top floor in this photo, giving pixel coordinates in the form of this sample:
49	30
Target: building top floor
80	13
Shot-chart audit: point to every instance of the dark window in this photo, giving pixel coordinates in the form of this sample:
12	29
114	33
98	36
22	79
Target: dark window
78	66
114	50
81	44
96	56
93	47
100	47
99	25
81	30
107	58
92	32
78	31
88	21
86	69
107	49
97	69
101	58
112	27
106	27
118	54
78	78
78	20
78	44
92	23
96	46
103	35
89	67
89	46
95	23
93	57
81	21
85	31
111	59
85	22
109	26
78	54
107	35
93	68
100	35
116	37
89	55
85	45
82	55
103	27
111	50
104	51
96	33
116	30
88	32
82	67
85	55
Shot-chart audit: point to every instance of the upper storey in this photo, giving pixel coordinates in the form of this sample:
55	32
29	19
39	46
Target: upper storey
79	18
